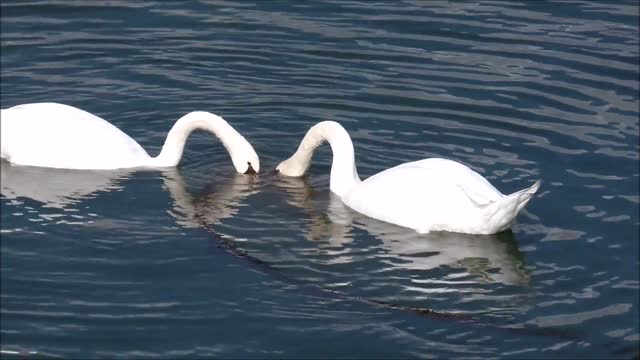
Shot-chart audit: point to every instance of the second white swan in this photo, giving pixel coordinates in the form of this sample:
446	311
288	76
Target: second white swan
426	195
62	136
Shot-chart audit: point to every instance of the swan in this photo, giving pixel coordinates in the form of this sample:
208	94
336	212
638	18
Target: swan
426	195
61	136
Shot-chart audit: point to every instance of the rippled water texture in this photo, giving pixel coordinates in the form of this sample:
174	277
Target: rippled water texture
200	262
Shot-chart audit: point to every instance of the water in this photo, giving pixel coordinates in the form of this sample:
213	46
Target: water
201	262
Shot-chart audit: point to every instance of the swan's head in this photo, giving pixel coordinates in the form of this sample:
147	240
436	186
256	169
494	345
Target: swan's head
244	157
293	166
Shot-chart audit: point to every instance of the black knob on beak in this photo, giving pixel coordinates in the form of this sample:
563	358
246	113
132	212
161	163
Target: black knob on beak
250	170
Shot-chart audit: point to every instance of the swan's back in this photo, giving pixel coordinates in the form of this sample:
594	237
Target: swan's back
431	194
62	136
473	184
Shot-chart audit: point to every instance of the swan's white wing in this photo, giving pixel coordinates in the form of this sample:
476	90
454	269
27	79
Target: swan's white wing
473	184
57	135
433	194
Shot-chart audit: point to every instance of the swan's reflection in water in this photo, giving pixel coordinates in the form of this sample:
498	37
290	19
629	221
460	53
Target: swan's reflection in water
489	258
333	228
63	192
61	188
209	206
486	258
57	188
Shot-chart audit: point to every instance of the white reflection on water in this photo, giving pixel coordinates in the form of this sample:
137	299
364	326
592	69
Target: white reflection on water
480	256
63	189
58	188
212	206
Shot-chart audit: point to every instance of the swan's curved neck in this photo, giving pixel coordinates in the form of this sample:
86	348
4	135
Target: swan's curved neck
177	137
344	174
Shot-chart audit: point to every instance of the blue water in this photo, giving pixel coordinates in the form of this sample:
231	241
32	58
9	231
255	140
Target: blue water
202	262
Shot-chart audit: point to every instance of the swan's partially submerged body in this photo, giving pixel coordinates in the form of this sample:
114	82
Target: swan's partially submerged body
426	195
61	136
436	194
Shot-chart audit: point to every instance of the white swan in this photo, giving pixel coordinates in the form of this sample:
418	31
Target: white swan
62	136
426	195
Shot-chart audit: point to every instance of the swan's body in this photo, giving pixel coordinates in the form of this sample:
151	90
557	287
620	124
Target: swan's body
62	136
426	195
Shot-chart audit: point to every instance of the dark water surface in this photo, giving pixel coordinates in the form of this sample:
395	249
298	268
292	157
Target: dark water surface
201	262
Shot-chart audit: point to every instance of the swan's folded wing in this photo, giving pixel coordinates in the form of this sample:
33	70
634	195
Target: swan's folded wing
409	197
437	195
477	188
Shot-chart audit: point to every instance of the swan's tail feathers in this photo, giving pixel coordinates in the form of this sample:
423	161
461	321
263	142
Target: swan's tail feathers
502	213
527	194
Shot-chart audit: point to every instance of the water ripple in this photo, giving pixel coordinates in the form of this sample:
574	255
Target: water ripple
518	91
